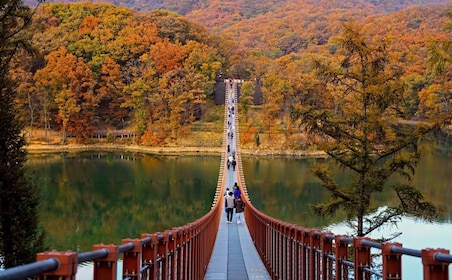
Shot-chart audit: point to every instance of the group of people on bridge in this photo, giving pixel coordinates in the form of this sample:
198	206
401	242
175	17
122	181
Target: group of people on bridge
231	128
233	200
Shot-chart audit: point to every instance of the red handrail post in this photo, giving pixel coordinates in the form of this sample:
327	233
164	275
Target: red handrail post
298	252
314	272
341	255
106	268
362	258
177	235
392	262
272	241
162	253
305	241
132	259
287	253
186	254
150	254
292	253
327	249
434	270
279	249
67	269
172	251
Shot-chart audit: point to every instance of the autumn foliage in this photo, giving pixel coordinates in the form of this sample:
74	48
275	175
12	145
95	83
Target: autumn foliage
103	67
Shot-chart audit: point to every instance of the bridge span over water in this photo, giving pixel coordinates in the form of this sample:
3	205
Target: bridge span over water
260	247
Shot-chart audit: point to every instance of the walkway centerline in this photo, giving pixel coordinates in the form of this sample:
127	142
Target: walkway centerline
234	255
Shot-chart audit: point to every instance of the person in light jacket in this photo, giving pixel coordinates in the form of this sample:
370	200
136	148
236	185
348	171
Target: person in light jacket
229	204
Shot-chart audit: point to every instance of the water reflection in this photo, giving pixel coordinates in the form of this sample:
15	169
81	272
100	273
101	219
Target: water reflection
106	197
92	198
284	189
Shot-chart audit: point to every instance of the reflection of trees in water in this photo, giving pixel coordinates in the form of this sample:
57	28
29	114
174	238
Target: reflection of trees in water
56	157
284	188
106	199
441	144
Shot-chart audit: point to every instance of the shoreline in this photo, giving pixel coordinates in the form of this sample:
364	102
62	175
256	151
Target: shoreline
176	150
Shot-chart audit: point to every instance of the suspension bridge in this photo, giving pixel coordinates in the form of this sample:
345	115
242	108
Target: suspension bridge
260	247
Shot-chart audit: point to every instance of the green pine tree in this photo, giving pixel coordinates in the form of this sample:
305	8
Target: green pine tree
20	234
363	130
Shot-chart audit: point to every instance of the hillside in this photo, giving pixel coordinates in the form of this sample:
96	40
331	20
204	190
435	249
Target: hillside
221	12
104	68
288	25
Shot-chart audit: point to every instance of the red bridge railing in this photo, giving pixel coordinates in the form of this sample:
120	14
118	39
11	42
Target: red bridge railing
293	252
180	253
290	251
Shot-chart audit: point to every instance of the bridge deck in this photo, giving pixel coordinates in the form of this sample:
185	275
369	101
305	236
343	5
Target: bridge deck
234	254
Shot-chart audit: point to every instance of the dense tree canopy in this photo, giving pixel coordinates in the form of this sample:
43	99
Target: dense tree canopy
127	67
362	129
107	68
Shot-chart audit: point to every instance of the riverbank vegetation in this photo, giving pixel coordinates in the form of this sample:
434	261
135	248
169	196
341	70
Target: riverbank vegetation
107	73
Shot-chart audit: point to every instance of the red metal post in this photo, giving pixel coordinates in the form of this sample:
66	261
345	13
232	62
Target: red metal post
305	242
392	262
177	235
298	250
187	249
150	254
362	258
106	268
341	255
279	249
286	250
67	269
266	241
172	252
434	270
162	254
198	245
327	249
194	251
273	250
131	264
291	252
314	272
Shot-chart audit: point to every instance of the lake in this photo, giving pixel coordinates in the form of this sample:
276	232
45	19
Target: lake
104	197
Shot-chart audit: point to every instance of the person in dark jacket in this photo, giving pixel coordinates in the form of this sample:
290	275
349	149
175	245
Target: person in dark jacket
236	190
239	205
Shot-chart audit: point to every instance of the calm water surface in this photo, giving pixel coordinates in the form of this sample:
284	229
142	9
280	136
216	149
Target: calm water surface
92	198
284	189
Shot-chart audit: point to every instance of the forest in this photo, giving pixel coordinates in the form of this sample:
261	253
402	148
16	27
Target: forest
102	67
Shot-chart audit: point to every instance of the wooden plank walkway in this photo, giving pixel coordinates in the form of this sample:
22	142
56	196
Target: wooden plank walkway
234	255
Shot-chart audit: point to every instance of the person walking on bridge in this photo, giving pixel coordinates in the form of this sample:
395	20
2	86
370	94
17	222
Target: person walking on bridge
237	191
229	204
239	208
